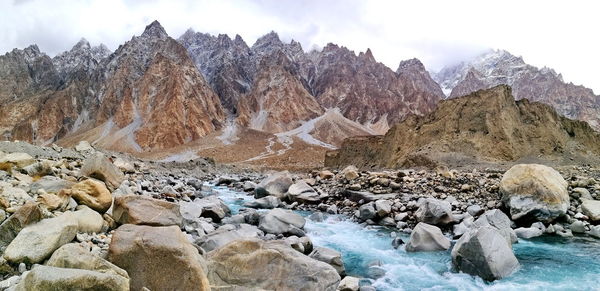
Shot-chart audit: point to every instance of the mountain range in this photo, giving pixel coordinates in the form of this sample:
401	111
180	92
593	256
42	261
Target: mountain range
172	98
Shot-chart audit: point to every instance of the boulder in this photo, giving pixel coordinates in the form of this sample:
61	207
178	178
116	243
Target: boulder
326	174
534	193
213	208
383	208
577	226
225	235
484	252
426	237
280	221
303	193
38	241
158	258
474	210
535	230
329	256
349	283
38	169
88	220
83	146
268	202
52	202
497	219
142	210
268	265
435	212
92	193
350	173
50	184
19	160
357	196
463	226
99	167
123	165
367	211
25	215
276	184
249	186
591	208
52	278
595	231
75	256
190	212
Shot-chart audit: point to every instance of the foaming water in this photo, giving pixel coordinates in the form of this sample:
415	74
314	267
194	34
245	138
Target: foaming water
235	200
547	263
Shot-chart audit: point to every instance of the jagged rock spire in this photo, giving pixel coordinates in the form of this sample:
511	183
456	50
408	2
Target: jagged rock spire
155	30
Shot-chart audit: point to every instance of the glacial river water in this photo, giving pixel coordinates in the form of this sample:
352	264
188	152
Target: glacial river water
547	263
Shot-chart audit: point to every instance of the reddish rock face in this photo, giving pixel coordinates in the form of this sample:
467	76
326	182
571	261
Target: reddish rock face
278	101
366	91
156	94
147	95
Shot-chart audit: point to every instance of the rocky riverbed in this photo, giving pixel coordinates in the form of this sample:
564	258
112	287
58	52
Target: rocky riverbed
83	219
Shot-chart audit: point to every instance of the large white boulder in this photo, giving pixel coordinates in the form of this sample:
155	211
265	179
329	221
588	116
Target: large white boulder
534	193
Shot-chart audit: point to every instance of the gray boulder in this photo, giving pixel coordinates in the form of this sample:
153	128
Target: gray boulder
535	230
225	235
75	256
276	184
485	253
50	184
534	193
38	241
497	219
435	212
349	283
213	208
281	221
591	208
142	210
367	211
99	167
268	265
25	215
303	193
426	237
383	207
268	202
53	278
331	257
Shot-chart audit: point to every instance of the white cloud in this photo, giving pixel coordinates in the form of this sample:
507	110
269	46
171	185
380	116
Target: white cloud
557	34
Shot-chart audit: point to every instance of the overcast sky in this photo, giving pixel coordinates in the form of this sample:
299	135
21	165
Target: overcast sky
559	34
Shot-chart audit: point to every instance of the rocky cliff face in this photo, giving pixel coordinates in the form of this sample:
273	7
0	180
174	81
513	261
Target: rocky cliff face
278	101
367	91
146	95
225	63
487	125
528	82
363	89
153	91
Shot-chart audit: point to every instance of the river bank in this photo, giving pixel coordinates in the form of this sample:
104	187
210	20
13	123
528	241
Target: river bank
354	227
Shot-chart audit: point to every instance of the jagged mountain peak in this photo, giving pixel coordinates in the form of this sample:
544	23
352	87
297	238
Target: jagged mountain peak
82	44
413	64
368	55
271	38
31	51
155	30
